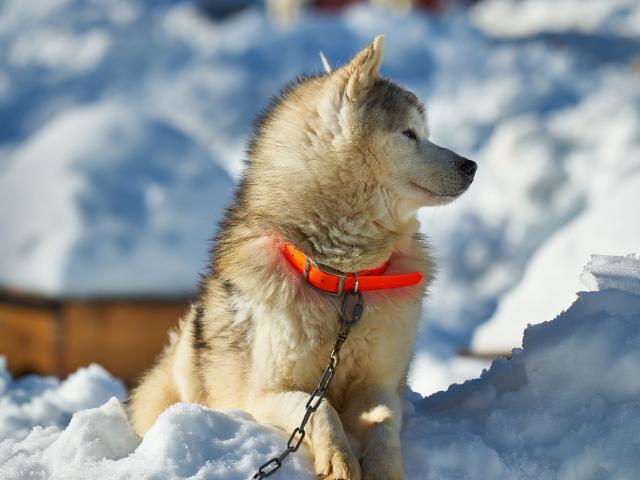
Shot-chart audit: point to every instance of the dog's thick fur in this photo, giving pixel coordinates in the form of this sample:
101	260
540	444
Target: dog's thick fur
339	166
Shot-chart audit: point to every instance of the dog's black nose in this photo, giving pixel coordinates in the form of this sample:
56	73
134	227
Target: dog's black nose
468	167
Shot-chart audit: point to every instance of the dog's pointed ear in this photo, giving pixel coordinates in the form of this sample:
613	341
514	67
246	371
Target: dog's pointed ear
364	69
325	63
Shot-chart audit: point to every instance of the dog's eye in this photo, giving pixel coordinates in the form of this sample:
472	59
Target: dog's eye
410	134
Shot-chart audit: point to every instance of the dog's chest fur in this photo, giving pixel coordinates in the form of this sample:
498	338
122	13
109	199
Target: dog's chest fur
297	347
275	331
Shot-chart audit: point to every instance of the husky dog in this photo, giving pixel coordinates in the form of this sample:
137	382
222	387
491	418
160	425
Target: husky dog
339	165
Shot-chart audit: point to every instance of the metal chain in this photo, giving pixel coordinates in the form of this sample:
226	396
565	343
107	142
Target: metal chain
297	436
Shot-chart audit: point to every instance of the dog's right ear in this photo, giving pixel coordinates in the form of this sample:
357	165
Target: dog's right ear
325	63
363	70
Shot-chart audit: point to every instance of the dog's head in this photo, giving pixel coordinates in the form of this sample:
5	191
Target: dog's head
354	145
389	124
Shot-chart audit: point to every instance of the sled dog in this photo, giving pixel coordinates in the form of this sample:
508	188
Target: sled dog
338	167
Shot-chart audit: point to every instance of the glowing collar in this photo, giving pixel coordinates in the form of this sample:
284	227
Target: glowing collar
334	282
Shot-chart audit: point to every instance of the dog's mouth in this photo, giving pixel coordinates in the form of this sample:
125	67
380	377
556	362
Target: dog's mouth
441	196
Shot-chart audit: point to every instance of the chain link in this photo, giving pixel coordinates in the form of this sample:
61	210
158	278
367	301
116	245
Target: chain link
315	399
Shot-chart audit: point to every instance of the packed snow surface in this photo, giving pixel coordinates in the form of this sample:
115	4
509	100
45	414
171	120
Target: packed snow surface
566	406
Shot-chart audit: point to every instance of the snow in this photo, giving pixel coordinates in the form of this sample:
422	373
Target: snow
604	272
430	373
612	226
513	18
564	407
46	401
186	441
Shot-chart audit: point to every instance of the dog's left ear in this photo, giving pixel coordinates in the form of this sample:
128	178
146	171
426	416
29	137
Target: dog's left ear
364	69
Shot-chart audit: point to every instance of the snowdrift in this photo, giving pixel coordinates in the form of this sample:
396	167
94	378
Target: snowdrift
566	406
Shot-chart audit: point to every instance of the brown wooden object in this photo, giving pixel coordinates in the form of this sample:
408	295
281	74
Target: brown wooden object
56	337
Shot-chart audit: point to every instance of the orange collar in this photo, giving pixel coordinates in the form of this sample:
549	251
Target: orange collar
335	282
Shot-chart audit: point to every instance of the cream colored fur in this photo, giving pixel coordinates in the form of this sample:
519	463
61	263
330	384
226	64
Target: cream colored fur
332	172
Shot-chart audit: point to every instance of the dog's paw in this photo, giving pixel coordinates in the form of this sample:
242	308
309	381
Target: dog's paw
333	463
382	463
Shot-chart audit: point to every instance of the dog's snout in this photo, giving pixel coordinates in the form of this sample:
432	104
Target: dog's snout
468	167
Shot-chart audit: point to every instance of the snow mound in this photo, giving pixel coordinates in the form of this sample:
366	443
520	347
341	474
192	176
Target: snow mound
187	440
46	401
105	223
564	407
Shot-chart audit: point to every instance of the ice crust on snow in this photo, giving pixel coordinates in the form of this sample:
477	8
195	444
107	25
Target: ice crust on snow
564	407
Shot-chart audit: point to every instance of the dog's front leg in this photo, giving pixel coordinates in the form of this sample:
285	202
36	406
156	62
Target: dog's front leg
374	416
324	432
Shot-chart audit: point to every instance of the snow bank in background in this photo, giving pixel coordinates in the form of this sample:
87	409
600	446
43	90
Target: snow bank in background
102	208
429	373
564	407
538	171
519	18
611	226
